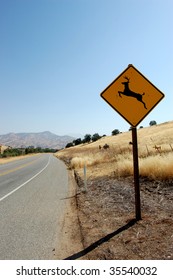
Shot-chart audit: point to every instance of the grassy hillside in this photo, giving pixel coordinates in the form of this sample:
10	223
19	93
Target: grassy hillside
155	148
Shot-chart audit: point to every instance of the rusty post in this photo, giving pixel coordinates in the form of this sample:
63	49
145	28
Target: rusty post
136	174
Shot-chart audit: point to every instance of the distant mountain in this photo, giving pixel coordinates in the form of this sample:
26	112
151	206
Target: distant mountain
44	139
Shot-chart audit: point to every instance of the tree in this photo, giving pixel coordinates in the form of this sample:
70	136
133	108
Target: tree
77	141
69	145
115	132
13	152
95	137
87	138
30	150
38	150
152	123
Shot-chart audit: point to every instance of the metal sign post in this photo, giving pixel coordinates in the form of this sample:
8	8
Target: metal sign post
133	96
136	174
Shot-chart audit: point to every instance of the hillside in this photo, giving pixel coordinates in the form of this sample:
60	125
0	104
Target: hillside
106	202
44	139
152	141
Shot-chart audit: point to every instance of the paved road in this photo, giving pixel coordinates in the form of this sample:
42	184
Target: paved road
31	207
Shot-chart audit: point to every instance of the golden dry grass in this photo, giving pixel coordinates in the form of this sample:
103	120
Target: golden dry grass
118	160
9	159
3	148
109	203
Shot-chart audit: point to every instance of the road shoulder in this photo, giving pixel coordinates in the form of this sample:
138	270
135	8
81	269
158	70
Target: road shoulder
70	242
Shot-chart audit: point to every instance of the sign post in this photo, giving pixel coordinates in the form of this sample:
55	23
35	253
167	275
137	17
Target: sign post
133	96
136	174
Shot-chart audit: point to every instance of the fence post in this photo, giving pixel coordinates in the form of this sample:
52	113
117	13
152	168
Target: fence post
85	178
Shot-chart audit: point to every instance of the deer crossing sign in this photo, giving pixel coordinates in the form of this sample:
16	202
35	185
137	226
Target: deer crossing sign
132	95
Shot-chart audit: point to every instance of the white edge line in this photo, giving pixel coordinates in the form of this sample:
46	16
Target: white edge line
5	196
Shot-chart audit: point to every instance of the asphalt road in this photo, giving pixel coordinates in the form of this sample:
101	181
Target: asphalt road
32	201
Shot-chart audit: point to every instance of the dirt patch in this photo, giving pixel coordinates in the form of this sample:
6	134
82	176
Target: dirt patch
106	215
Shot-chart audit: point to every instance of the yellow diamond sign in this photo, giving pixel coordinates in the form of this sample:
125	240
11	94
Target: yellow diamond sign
132	95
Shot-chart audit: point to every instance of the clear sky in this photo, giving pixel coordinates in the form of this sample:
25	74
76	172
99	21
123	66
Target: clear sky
57	56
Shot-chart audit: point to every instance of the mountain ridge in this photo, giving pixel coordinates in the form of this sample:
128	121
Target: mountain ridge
45	139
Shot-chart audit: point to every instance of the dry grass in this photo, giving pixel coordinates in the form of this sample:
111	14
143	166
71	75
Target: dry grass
108	205
118	161
9	159
87	160
157	167
3	148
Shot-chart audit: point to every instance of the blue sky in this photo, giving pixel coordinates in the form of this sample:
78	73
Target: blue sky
57	56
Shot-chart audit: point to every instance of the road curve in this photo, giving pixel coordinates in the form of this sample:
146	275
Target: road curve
32	193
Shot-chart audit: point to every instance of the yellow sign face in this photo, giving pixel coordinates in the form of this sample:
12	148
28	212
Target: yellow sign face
132	95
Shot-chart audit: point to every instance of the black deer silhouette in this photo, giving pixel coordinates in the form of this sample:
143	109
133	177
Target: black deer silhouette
131	93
